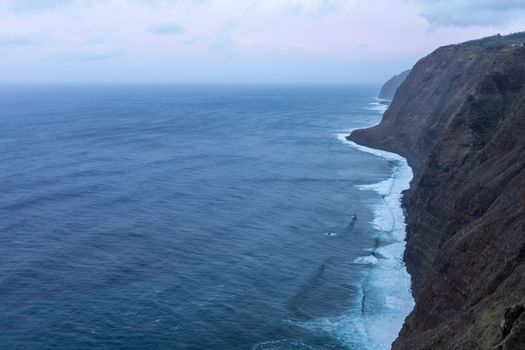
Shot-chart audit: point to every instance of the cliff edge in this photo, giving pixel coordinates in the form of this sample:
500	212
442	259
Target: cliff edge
459	119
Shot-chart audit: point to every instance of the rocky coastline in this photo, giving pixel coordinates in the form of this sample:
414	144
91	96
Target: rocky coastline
459	119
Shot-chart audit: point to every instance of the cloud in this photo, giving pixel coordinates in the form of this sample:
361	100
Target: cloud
465	13
158	3
35	5
30	6
326	6
13	39
223	38
167	28
191	41
86	55
312	7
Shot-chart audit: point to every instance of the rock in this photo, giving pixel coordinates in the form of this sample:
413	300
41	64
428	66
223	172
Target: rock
514	328
511	315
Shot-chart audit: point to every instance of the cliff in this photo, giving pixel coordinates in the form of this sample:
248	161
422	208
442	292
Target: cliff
390	87
459	119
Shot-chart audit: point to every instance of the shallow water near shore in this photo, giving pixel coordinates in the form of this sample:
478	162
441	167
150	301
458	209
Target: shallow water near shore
202	217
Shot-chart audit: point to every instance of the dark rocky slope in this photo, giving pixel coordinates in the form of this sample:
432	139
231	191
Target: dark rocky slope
459	119
390	87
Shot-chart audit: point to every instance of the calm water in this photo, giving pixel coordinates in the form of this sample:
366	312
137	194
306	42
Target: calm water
185	217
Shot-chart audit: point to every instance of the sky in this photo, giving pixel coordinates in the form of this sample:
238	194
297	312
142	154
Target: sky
236	41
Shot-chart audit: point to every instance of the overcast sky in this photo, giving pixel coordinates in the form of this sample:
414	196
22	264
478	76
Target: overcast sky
236	41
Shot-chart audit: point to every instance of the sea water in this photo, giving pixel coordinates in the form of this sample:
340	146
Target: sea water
198	217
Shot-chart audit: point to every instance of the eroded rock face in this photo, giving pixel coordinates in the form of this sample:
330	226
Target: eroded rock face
512	329
459	118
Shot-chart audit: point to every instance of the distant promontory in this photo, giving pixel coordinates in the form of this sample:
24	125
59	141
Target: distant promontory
389	88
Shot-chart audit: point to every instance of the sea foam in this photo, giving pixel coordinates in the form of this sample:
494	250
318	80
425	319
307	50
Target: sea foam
384	299
388	284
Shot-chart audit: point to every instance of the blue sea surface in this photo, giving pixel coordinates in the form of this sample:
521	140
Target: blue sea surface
185	217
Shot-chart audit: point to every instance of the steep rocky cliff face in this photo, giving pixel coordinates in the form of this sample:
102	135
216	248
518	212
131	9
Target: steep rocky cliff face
459	118
390	87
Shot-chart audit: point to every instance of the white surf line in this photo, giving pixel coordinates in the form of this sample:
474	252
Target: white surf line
388	276
374	321
384	297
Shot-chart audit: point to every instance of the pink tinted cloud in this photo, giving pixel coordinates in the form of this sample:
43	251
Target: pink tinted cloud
196	35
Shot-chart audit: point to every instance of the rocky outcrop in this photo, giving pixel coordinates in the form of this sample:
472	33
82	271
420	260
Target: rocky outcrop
459	119
511	328
390	87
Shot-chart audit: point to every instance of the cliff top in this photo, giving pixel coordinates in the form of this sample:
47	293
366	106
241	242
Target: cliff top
498	41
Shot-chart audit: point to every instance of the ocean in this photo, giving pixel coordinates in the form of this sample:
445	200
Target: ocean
198	217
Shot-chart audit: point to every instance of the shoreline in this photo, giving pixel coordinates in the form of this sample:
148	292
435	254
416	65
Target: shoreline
387	283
